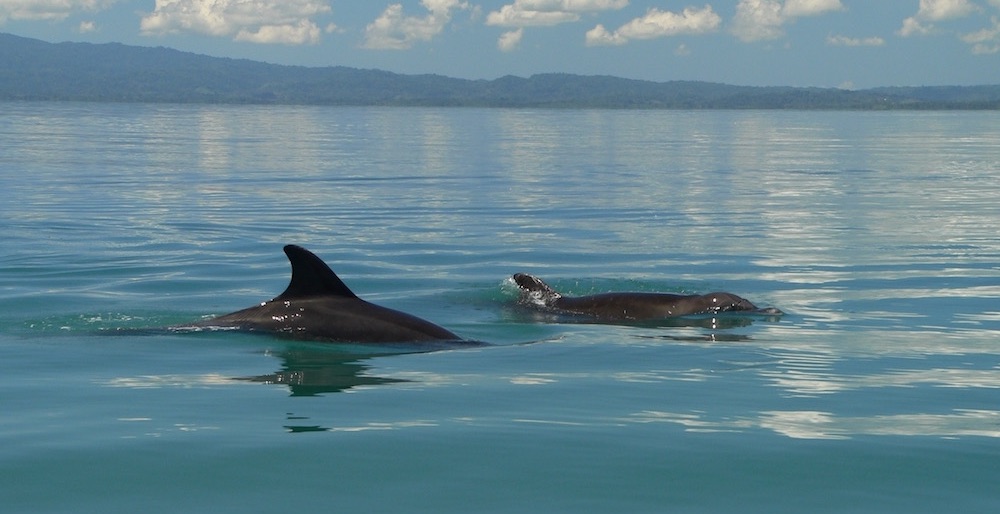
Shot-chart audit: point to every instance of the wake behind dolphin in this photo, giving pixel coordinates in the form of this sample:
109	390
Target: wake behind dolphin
318	306
631	306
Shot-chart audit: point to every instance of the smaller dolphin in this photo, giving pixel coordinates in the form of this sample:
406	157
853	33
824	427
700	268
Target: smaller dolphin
632	306
318	306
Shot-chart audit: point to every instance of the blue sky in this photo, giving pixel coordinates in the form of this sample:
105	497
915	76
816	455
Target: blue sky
827	43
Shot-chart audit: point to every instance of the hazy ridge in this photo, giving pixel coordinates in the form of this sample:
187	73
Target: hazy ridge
31	69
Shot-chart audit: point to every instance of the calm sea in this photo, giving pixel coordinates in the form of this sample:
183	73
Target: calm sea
877	233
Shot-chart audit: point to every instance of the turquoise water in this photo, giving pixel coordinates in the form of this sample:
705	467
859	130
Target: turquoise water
876	233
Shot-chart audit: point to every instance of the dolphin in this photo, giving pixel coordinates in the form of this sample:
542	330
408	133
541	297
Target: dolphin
318	306
631	306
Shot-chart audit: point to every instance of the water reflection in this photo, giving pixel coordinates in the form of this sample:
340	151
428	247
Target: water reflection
878	231
808	197
314	372
305	371
827	425
797	380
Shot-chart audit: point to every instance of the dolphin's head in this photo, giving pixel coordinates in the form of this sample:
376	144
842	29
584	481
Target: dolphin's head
728	302
725	302
530	282
534	290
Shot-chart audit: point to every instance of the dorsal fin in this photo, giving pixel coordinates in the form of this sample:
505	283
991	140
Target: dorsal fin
311	276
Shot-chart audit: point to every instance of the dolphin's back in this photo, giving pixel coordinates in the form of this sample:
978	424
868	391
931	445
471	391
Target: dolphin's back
317	305
631	306
635	306
321	318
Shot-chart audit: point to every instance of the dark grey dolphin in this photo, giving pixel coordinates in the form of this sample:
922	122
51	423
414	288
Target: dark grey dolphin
318	306
632	306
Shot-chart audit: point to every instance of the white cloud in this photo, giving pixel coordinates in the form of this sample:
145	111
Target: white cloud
938	10
758	20
913	27
258	21
854	41
544	13
574	5
656	24
87	26
304	32
509	41
800	8
48	9
985	41
512	16
393	30
599	36
930	11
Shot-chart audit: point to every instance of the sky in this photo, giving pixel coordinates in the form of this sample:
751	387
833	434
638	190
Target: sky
851	44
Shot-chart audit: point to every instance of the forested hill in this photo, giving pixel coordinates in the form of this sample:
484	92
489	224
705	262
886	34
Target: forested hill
36	70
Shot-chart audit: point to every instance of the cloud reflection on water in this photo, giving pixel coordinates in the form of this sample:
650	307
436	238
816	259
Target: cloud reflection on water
826	425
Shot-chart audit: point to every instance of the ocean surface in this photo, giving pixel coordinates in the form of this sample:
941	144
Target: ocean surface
878	234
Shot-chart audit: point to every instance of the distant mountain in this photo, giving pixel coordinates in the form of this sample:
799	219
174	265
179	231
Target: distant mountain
36	70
